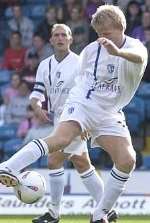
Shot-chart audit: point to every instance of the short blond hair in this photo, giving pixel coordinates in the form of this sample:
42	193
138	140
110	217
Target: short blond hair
61	25
109	14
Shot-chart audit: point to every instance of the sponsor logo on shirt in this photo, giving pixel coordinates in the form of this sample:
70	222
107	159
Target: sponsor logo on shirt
110	68
59	90
59	83
58	73
70	110
110	85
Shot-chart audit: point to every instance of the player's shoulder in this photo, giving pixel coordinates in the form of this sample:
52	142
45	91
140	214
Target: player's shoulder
132	42
90	49
92	46
138	46
45	61
73	55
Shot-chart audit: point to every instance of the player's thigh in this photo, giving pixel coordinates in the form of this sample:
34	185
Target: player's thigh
68	128
81	162
56	160
120	149
64	133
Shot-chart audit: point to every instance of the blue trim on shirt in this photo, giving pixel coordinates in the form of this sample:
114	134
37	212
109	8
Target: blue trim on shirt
50	82
49	76
96	62
39	83
39	90
94	73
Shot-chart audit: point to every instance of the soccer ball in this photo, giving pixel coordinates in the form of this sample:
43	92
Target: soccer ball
31	187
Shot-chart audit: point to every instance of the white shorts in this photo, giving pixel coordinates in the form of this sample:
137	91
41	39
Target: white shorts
77	147
96	122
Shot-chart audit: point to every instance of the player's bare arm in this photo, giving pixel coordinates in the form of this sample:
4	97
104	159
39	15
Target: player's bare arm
133	56
36	105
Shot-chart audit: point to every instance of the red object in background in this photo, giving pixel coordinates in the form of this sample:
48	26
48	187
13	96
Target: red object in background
14	59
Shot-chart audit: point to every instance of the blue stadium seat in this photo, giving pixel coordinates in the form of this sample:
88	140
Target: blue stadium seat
26	9
65	164
146	162
36	2
136	105
2	46
135	114
1	152
144	93
12	146
144	90
36	21
95	155
38	11
7	132
8	13
56	2
35	165
133	122
1	145
3	88
43	162
5	76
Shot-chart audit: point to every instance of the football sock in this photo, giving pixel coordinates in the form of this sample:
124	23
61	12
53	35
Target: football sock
56	190
113	188
27	155
93	183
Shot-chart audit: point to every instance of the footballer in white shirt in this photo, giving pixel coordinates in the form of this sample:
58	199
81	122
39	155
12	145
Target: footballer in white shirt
55	77
110	73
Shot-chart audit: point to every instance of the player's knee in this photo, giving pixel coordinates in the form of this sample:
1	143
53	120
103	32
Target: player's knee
54	163
64	141
126	161
80	163
127	164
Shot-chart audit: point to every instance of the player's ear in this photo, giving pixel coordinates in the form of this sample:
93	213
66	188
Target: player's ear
71	40
51	41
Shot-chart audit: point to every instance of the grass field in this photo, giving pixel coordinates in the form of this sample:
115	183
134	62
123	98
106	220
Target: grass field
74	219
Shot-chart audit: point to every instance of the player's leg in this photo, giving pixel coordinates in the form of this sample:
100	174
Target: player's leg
64	134
88	175
56	174
90	178
123	155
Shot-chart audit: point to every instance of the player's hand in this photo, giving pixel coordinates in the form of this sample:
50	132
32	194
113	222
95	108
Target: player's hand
43	114
85	135
109	45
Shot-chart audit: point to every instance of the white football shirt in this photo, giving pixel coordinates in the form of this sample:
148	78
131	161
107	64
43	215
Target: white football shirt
106	81
56	79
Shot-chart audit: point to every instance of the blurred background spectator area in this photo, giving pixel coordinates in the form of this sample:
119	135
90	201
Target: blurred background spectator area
24	41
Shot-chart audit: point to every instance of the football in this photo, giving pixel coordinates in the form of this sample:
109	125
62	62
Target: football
31	187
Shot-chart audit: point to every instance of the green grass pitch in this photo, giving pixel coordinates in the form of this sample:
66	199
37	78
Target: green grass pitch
74	219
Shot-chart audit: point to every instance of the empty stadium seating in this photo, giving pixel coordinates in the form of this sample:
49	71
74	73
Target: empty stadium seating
135	114
146	162
12	146
8	131
144	93
5	76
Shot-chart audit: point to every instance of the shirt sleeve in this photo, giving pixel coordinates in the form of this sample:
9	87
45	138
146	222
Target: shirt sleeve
131	72
138	68
39	87
81	65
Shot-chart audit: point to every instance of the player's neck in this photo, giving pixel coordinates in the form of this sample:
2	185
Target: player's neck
59	56
120	41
